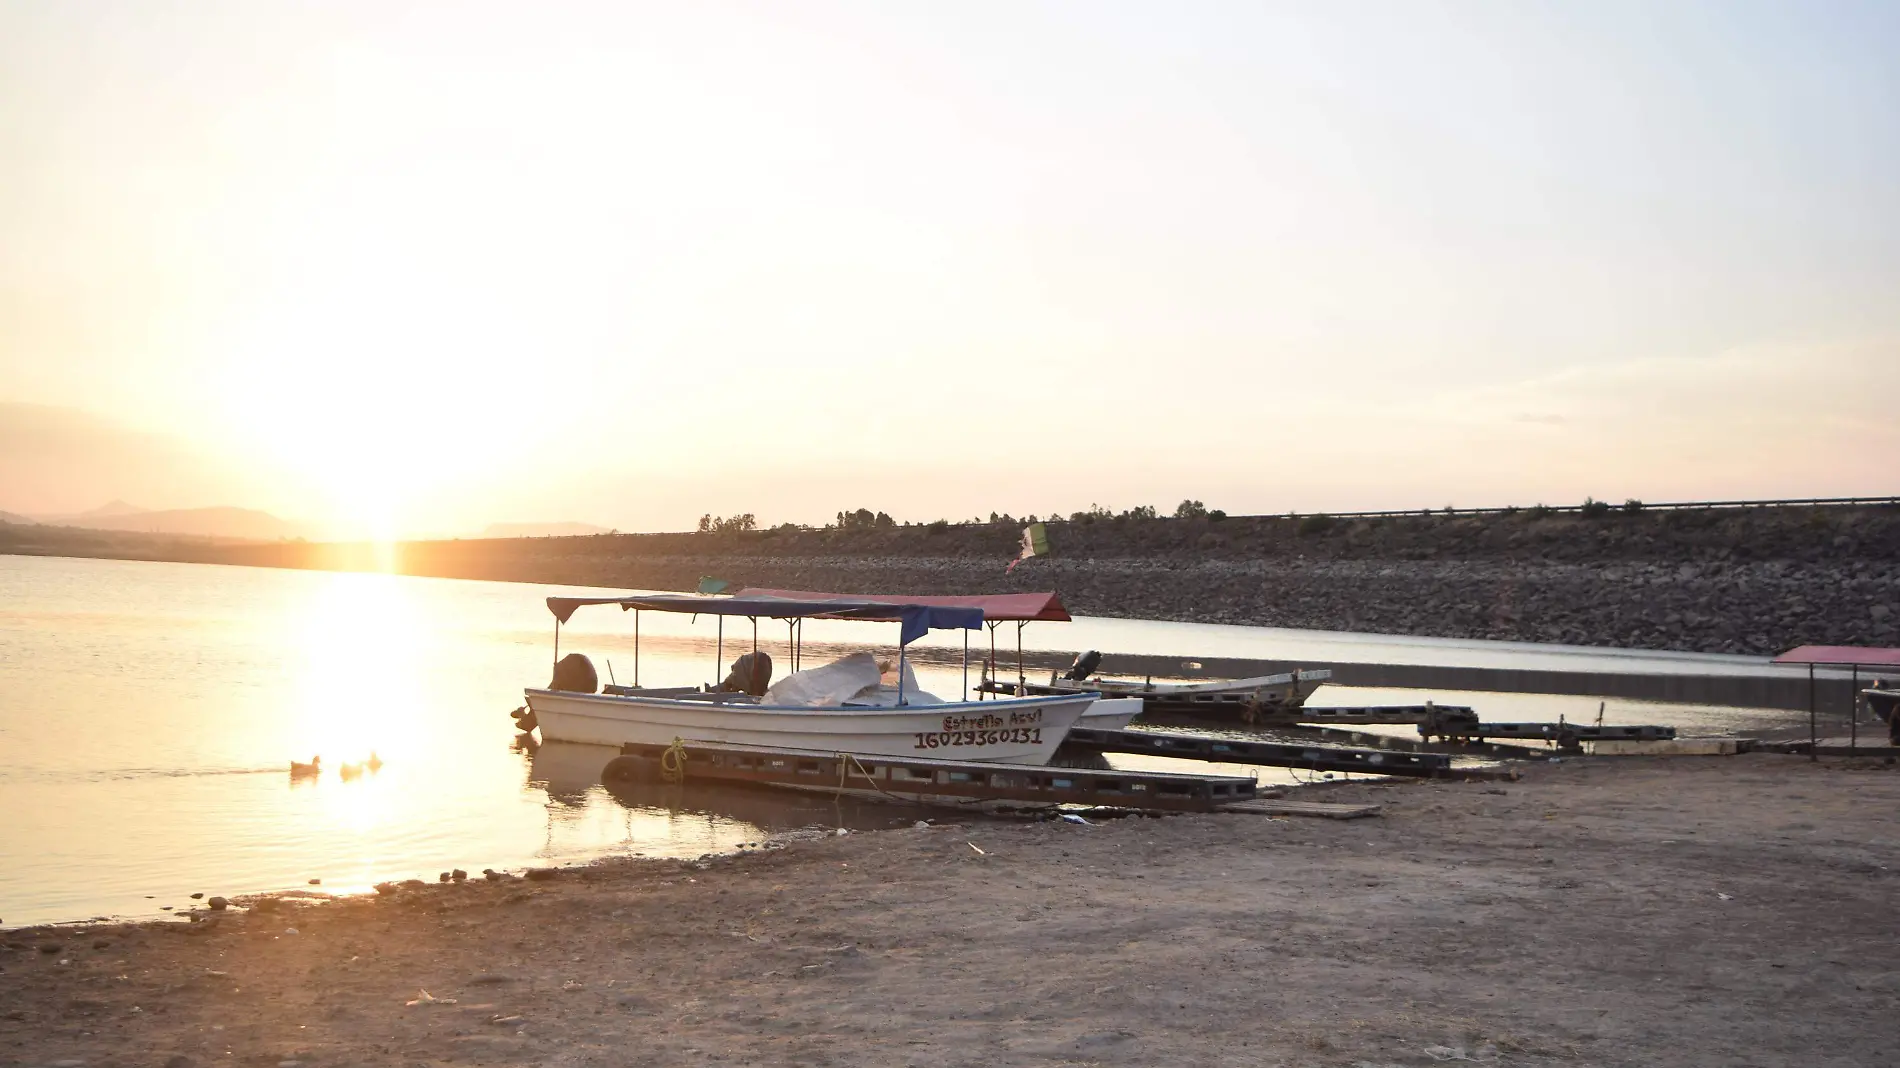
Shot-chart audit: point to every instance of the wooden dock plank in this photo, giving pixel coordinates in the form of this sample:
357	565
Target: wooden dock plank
1322	809
1671	747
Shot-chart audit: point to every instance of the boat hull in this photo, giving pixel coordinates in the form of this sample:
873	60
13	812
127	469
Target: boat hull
1272	696
1023	730
1885	705
1108	713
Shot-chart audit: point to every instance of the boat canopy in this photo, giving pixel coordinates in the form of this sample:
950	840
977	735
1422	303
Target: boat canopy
917	618
996	607
1842	656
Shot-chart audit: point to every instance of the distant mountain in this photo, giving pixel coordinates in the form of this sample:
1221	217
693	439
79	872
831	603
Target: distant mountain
111	509
541	530
9	517
115	509
244	523
60	461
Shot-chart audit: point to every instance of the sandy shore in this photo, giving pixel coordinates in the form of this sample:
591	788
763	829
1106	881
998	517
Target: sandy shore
1715	911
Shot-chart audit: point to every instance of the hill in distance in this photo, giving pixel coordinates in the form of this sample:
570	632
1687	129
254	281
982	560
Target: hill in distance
541	530
112	510
245	523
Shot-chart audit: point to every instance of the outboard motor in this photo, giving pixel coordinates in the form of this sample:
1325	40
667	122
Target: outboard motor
751	673
1084	666
575	674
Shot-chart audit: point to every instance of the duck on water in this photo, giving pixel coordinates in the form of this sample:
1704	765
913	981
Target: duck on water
848	706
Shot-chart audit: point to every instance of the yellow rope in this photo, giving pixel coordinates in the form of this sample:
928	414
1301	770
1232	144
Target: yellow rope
846	761
673	762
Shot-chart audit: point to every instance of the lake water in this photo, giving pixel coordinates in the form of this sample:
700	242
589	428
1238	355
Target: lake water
148	713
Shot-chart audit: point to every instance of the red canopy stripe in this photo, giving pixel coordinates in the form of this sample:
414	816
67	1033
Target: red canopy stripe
1842	656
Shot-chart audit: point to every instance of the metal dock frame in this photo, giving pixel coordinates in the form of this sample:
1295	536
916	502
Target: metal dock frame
1265	754
1568	737
1425	714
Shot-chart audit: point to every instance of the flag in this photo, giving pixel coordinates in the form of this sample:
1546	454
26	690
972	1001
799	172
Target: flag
1035	543
709	585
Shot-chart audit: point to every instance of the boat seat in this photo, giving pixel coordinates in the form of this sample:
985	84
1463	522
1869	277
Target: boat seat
717	698
647	691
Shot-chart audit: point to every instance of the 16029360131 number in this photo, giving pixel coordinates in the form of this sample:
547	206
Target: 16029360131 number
1000	736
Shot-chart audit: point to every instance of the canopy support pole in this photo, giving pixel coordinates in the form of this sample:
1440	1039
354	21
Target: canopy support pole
989	671
557	643
900	673
1813	742
791	653
719	648
755	632
966	665
1022	678
1853	711
636	648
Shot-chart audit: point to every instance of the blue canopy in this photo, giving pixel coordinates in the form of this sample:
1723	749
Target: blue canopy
917	619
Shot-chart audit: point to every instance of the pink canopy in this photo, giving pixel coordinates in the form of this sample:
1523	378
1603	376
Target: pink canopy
1842	656
997	607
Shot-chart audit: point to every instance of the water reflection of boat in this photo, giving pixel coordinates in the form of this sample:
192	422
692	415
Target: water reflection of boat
567	770
572	772
846	706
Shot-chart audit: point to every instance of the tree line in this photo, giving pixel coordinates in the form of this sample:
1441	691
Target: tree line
866	519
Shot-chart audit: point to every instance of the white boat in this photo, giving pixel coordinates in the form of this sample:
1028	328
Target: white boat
1023	730
1260	694
1110	713
1884	702
834	708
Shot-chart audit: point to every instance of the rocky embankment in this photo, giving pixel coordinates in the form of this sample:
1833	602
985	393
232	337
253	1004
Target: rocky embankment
1739	581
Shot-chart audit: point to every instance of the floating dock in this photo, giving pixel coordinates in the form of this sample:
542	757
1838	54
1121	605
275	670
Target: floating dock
1459	724
1382	714
1567	736
1401	744
920	778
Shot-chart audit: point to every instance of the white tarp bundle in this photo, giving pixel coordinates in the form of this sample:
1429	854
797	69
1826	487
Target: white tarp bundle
854	679
886	693
828	684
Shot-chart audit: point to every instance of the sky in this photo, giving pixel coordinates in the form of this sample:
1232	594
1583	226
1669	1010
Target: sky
416	268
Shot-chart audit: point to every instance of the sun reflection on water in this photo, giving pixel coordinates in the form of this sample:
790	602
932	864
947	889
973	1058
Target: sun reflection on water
354	686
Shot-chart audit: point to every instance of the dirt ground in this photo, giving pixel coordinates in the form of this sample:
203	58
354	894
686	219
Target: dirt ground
1694	911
